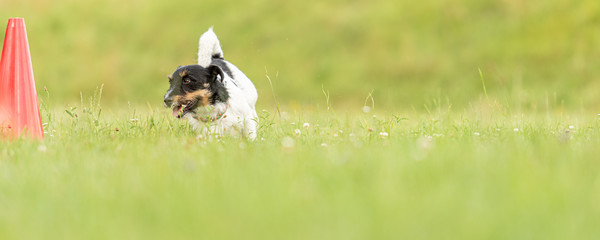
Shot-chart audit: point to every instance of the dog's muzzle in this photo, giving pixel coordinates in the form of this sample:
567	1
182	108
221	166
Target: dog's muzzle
168	101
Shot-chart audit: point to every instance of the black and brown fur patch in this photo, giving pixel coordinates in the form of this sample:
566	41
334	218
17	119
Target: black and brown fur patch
183	73
196	86
202	97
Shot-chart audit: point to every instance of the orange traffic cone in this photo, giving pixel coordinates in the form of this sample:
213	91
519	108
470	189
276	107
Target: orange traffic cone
19	109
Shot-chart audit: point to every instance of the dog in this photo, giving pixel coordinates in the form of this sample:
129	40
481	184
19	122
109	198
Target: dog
214	95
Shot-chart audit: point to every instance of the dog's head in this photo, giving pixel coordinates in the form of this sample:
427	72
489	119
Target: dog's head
194	86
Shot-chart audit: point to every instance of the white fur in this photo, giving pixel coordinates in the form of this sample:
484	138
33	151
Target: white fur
239	114
208	46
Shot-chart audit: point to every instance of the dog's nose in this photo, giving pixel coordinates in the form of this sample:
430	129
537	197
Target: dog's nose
168	101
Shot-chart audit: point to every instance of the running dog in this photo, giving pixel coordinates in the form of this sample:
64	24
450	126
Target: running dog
214	95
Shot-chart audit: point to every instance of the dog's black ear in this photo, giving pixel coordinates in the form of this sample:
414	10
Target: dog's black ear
216	73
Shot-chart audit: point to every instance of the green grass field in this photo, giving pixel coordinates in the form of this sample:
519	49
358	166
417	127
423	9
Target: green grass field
483	122
140	174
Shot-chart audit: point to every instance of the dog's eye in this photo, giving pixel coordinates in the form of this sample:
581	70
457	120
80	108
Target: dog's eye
186	81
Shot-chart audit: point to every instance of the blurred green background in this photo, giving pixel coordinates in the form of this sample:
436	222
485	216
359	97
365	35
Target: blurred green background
534	55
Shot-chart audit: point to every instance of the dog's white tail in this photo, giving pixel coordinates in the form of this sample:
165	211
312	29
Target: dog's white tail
209	48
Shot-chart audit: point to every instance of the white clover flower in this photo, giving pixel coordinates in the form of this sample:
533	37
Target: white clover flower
324	145
571	127
306	125
287	142
516	129
42	148
476	134
425	142
367	109
297	132
383	134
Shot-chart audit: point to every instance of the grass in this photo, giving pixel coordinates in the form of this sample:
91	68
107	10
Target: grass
140	174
